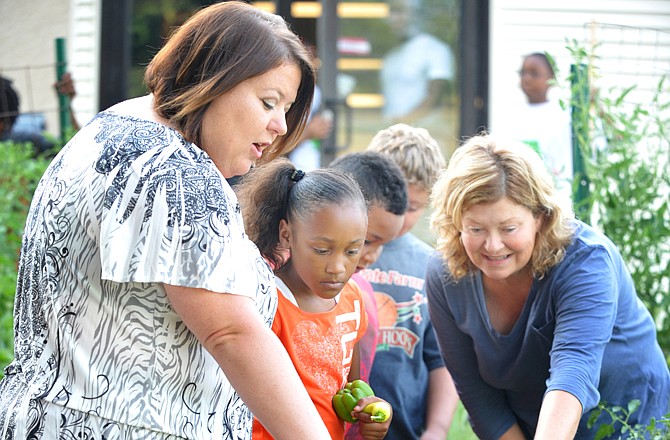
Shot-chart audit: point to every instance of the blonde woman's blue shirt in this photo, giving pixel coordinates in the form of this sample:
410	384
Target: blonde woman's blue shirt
582	330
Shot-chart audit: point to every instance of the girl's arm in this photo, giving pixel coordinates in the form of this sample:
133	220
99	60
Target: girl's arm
355	371
231	329
369	430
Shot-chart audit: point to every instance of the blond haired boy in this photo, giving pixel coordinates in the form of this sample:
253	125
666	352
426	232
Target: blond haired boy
408	370
419	157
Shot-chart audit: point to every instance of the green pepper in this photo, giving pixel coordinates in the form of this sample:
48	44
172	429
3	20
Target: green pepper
346	399
360	384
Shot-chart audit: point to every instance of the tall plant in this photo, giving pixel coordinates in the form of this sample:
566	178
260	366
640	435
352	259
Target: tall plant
20	172
625	149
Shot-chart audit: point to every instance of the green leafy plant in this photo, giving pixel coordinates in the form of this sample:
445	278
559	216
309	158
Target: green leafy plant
20	172
619	423
624	188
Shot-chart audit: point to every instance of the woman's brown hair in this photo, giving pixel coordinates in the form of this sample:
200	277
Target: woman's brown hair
216	49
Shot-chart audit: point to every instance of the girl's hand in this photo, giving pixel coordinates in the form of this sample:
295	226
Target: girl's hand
370	429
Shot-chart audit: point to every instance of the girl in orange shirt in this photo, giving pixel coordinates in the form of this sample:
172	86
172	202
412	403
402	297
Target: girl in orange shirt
311	228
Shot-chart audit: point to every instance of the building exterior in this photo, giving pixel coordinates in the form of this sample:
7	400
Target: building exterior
28	52
633	38
637	33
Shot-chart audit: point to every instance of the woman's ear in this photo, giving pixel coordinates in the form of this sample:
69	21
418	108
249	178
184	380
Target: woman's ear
284	234
539	223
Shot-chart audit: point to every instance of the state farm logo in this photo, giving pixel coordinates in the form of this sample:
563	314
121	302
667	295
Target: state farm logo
399	337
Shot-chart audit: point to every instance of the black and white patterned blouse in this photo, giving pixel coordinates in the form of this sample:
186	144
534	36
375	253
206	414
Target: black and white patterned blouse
99	352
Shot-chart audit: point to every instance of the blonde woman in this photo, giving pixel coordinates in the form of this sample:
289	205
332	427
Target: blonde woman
536	314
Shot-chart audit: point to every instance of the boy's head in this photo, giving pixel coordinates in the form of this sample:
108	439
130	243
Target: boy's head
385	190
419	157
536	72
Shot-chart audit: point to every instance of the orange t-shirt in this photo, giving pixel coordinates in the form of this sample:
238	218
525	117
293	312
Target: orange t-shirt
321	348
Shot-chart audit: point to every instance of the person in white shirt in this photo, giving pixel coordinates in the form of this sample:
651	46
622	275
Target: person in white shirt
542	123
415	75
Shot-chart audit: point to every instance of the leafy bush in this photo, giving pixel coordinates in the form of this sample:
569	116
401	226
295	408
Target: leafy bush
20	172
624	190
619	424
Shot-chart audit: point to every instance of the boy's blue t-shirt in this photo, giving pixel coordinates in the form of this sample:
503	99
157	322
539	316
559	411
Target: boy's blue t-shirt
582	330
407	349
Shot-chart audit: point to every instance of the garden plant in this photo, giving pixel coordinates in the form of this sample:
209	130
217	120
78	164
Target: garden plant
619	416
625	149
20	172
624	189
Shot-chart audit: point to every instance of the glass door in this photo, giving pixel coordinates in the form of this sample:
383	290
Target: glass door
381	62
395	62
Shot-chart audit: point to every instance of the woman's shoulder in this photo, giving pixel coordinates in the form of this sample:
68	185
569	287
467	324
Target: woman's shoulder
436	264
139	108
587	238
138	112
590	248
125	138
439	276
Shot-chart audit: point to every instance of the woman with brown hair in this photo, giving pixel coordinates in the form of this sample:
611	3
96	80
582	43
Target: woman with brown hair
142	308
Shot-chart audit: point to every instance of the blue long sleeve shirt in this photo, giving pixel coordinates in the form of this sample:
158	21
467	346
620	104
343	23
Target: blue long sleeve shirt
582	330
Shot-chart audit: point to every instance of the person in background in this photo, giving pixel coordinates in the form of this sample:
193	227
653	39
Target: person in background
535	312
311	227
542	123
385	190
18	127
416	74
420	389
30	127
65	86
9	107
306	156
142	308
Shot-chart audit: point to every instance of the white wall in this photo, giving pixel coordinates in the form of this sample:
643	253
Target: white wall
28	53
517	28
629	55
84	56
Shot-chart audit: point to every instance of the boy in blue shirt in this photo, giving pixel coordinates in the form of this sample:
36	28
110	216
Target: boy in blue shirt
408	370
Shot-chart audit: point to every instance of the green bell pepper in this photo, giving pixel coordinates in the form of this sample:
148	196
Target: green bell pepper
346	399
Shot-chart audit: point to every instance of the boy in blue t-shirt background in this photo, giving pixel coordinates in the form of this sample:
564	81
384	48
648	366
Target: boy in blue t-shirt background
408	370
